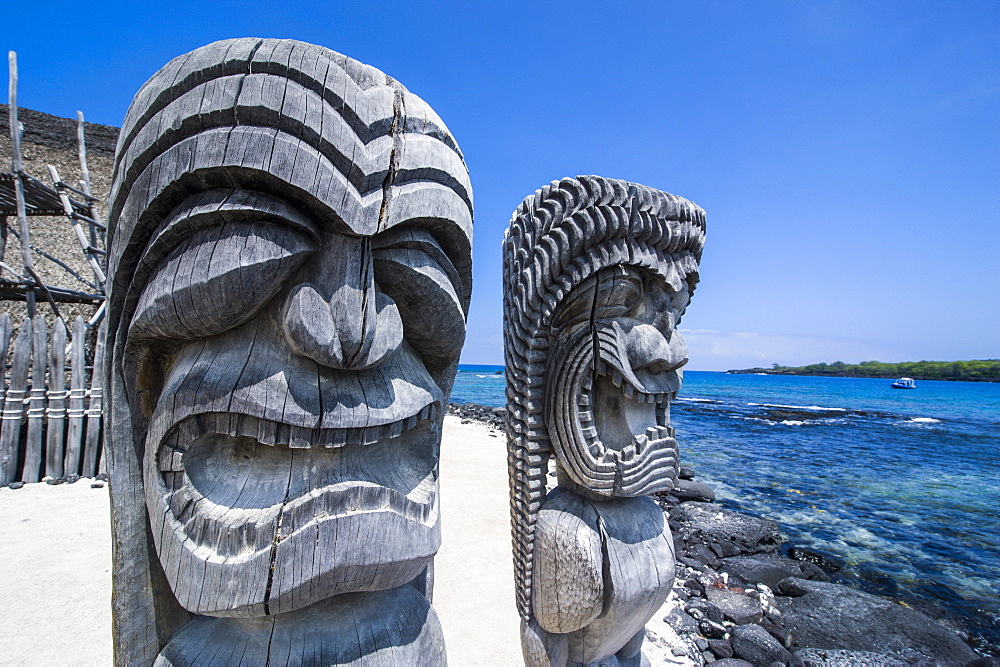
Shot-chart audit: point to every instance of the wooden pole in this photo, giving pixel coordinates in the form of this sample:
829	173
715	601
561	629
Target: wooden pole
13	405
3	236
81	236
5	329
92	452
85	179
16	168
76	394
36	403
56	427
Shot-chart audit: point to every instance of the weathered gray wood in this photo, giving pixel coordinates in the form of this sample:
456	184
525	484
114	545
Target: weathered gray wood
77	393
13	406
92	458
95	214
597	273
16	169
290	272
55	428
88	249
36	405
5	329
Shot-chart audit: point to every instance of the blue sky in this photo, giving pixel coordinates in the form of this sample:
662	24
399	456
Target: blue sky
847	153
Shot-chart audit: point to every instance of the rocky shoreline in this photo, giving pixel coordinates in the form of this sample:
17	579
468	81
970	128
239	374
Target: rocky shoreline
737	601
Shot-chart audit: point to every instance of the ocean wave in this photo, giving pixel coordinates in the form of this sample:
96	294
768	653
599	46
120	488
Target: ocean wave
791	422
754	419
696	400
492	376
798	407
923	420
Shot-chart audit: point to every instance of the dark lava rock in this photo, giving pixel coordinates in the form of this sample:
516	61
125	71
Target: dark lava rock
708	610
721	648
754	644
665	501
55	481
686	489
832	616
495	417
72	478
702	554
15	485
818	657
791	587
102	477
732	662
739	608
681	622
783	635
685	473
828	563
984	662
769	569
702	522
694	586
97	485
713	630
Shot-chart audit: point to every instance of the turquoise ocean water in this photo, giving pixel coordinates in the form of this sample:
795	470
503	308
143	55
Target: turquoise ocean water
903	486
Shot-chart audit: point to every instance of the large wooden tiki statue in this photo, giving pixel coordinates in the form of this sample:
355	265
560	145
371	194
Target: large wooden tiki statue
597	273
290	248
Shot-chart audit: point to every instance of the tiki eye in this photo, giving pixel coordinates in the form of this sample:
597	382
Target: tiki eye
578	306
218	278
413	269
618	294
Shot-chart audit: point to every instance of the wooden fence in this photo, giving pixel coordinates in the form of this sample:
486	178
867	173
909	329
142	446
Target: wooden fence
47	429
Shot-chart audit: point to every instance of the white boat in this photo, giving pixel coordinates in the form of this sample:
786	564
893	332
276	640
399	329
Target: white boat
904	383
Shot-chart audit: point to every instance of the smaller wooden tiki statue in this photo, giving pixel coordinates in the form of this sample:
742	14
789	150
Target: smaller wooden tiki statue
290	253
597	273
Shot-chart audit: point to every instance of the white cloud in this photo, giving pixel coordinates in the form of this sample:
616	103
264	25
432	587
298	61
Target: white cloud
710	350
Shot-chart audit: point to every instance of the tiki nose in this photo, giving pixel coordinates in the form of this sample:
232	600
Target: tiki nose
649	349
339	319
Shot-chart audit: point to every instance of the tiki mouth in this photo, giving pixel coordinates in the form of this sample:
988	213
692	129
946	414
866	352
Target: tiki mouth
620	422
239	484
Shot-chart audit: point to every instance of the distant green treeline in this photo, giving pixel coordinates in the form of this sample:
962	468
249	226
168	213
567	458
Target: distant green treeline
986	370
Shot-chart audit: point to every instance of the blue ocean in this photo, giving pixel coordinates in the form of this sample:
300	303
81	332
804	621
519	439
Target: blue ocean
901	485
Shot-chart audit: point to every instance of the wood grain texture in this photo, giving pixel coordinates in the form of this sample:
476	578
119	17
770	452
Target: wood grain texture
597	273
37	400
13	406
290	271
55	427
75	410
93	458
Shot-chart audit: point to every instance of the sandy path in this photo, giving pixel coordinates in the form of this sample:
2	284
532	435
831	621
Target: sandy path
55	593
55	550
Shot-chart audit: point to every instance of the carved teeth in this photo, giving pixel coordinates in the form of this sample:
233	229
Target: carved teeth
299	438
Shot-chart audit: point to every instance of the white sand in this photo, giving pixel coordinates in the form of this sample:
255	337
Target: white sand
55	594
55	547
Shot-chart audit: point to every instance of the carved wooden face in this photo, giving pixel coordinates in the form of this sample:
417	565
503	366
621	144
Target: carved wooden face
294	376
613	369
